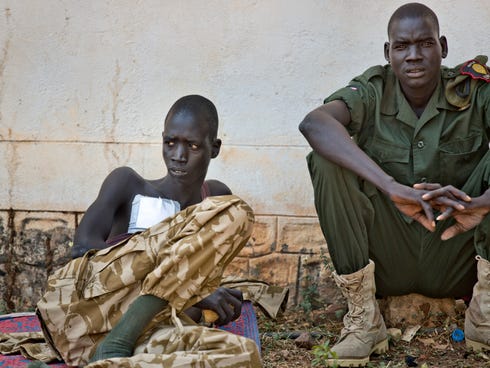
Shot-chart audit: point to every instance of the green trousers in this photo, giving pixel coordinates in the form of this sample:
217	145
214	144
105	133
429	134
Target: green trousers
360	223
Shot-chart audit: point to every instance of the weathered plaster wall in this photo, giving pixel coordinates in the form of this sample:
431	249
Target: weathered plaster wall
84	88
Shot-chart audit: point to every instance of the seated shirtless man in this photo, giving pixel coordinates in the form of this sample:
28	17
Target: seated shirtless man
121	305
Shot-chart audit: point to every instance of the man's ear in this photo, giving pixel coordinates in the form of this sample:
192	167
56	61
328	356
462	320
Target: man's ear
387	51
443	42
215	148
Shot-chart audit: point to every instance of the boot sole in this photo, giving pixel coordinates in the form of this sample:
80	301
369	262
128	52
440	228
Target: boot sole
476	346
380	348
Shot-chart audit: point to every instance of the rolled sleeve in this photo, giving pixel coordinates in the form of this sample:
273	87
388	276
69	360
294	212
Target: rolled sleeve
352	97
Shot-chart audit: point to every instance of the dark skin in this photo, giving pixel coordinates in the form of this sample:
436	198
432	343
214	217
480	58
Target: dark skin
415	52
187	152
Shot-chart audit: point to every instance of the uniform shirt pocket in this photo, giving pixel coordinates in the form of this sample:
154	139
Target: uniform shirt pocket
123	265
459	157
393	158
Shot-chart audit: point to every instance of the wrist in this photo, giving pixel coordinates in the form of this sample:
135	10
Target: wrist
483	201
388	185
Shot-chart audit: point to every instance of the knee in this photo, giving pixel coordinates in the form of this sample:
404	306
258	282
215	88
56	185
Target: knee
242	215
232	212
244	212
324	172
317	165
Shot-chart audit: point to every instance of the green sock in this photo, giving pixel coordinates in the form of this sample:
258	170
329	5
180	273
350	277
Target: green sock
120	341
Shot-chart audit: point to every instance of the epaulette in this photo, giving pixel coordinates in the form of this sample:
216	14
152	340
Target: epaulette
374	71
463	80
476	68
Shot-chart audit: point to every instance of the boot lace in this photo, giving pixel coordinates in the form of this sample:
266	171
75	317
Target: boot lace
353	292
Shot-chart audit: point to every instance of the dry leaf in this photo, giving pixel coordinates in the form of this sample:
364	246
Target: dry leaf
427	342
410	333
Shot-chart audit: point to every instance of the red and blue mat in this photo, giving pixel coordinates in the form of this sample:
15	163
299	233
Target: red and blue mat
245	325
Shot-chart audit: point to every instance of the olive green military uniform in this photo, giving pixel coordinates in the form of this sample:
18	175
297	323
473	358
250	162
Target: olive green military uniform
180	260
448	144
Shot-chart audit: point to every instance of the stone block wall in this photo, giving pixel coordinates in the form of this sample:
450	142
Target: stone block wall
284	251
289	252
32	245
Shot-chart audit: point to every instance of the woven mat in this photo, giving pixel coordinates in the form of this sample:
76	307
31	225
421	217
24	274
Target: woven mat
245	325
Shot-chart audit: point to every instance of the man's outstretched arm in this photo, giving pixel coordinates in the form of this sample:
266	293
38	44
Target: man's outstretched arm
324	129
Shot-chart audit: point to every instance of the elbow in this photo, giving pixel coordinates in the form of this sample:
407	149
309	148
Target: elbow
79	246
77	251
305	126
308	126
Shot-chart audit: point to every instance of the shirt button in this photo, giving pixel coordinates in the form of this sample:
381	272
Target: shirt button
420	144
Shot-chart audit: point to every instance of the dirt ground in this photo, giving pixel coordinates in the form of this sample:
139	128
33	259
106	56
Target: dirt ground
429	348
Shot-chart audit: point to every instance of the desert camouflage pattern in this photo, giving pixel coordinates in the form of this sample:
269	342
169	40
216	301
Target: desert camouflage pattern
180	260
271	299
29	344
194	346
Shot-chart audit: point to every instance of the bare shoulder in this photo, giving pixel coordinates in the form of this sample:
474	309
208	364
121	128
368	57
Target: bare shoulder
217	188
109	213
121	182
125	173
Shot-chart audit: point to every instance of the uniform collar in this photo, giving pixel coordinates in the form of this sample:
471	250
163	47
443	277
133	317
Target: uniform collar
394	103
393	98
391	94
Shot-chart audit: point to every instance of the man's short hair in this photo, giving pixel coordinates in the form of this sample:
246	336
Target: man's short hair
198	106
413	10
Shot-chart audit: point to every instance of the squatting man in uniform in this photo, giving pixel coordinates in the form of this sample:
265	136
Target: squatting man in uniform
131	304
401	169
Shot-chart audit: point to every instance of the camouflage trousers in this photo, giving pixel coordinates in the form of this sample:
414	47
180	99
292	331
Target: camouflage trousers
180	260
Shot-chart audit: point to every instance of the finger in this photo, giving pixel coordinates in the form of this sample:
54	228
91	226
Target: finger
448	202
427	186
429	225
451	232
226	314
446	214
237	308
429	216
236	293
449	192
237	311
458	193
434	194
235	299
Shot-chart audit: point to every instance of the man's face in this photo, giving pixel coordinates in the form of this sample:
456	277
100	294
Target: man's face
415	52
187	147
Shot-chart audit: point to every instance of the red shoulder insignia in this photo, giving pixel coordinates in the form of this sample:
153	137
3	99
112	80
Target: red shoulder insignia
476	70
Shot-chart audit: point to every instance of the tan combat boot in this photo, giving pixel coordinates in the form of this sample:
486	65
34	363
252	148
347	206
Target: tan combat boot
477	321
364	329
